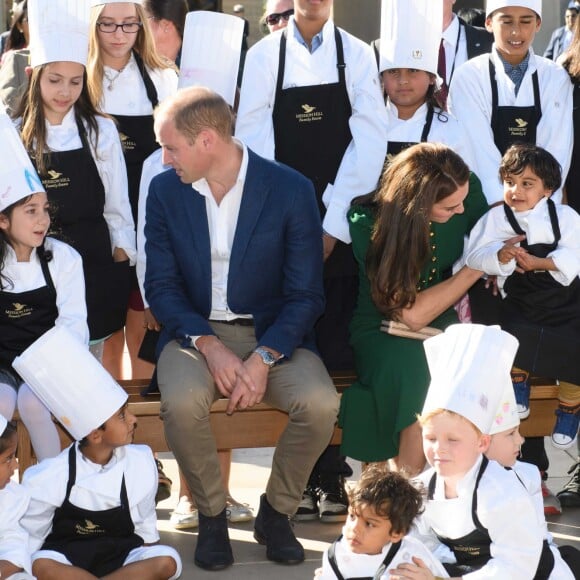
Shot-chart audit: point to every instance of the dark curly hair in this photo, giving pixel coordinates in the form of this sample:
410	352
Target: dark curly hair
541	162
389	494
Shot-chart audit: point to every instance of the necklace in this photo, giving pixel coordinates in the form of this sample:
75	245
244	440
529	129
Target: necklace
111	79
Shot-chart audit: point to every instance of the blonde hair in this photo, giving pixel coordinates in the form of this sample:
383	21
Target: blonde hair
429	415
197	108
144	46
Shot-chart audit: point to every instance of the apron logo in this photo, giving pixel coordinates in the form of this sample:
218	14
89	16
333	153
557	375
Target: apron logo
310	114
417	54
88	529
55	180
520	129
19	311
127	143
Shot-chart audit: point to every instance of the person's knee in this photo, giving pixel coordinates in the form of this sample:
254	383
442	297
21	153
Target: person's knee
45	569
317	406
30	406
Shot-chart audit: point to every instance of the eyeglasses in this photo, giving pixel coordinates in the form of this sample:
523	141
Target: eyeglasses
275	17
126	27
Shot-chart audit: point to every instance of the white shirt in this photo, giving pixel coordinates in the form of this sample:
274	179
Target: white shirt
445	129
66	270
504	508
529	475
363	160
353	565
97	487
128	95
108	156
470	101
222	220
14	500
489	234
453	59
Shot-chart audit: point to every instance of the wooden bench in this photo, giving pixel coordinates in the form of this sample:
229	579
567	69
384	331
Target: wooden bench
261	426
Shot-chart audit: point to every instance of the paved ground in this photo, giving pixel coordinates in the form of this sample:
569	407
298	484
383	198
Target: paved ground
250	470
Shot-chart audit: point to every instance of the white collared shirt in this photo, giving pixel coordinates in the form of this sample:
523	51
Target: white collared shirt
108	157
470	101
66	271
97	487
364	157
222	220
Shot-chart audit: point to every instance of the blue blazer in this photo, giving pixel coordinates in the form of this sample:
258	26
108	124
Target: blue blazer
276	261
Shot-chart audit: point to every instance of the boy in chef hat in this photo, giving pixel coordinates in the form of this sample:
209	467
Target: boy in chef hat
92	508
504	447
512	94
14	556
478	517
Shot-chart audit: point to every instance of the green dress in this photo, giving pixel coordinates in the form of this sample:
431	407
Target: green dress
393	376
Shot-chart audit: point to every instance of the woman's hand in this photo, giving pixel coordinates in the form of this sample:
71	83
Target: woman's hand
119	255
149	321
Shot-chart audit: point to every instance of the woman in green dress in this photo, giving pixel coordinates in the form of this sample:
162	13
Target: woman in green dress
406	238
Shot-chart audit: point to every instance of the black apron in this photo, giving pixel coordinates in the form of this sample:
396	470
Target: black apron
311	135
543	314
380	571
96	541
395	147
472	551
75	190
513	124
25	316
138	140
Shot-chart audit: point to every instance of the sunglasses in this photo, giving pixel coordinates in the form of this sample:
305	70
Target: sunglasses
275	17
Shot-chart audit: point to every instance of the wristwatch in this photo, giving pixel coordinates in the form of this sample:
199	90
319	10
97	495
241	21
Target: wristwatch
267	357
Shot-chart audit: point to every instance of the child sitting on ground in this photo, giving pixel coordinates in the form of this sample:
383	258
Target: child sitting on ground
382	507
92	508
14	556
532	245
479	519
506	441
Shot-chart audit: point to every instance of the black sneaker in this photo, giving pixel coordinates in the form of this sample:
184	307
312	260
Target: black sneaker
308	508
570	494
333	503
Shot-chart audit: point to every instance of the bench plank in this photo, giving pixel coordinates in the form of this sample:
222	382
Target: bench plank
261	426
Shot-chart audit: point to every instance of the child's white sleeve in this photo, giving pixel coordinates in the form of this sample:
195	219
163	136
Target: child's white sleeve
14	502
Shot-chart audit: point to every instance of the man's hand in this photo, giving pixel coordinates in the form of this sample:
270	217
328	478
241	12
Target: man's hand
328	243
249	393
226	368
149	321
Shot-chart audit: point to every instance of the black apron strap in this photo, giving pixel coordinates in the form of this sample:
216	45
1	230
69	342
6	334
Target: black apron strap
281	61
476	521
149	86
340	64
388	559
428	123
494	96
42	256
72	470
554	221
511	218
537	101
332	559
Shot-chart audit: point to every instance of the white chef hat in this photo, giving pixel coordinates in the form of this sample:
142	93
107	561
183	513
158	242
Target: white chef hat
3	423
59	31
101	2
493	5
470	369
18	178
410	34
70	381
210	54
506	416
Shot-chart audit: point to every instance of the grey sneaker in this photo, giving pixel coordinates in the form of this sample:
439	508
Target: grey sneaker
333	503
308	508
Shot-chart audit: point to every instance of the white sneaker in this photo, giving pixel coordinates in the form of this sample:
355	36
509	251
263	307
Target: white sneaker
184	516
238	512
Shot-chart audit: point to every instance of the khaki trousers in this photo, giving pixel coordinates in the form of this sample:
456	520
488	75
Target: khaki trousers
300	386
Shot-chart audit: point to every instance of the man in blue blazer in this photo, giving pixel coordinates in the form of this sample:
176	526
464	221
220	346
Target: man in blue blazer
561	37
234	276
